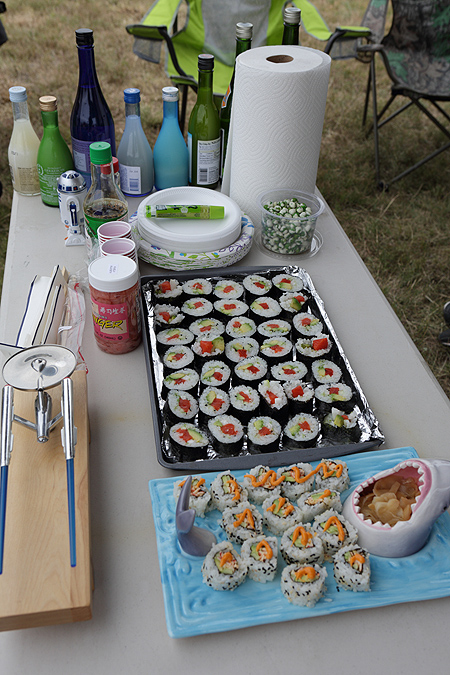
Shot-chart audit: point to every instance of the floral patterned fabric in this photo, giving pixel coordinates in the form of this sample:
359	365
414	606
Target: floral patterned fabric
417	47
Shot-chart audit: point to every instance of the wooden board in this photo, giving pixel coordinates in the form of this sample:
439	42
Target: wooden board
38	586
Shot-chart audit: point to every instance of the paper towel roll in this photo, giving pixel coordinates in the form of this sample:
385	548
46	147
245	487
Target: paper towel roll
276	125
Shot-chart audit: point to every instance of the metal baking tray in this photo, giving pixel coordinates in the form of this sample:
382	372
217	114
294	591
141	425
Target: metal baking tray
371	435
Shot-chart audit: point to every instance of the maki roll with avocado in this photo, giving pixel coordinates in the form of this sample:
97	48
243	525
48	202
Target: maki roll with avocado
326	372
199	498
227	434
306	324
257	285
242	522
208	349
188	441
226	491
194	308
244	402
289	370
177	357
303	584
207	326
312	348
299	544
329	396
213	402
167	315
223	569
302	431
181	405
341	427
352	568
167	290
227	309
229	290
279	514
262	482
185	379
276	349
311	504
260	554
250	371
173	337
291	303
297	479
240	327
264	308
215	374
263	434
239	349
287	283
196	287
273	400
300	396
274	328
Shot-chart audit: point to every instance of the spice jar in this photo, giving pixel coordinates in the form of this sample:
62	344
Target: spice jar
114	287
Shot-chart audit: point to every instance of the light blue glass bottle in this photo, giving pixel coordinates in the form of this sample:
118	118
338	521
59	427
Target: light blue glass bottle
134	153
170	154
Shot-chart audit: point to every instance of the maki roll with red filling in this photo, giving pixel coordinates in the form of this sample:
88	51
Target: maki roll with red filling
168	315
171	337
228	290
274	328
291	303
302	431
276	349
197	287
289	370
263	434
185	379
227	434
239	349
195	308
244	402
257	285
188	441
306	324
227	309
265	308
181	405
309	349
326	372
250	371
207	326
177	357
300	396
167	290
287	283
213	402
215	374
274	401
341	427
334	395
240	327
208	349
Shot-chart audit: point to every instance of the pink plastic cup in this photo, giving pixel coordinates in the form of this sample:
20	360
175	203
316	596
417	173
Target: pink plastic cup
125	247
115	229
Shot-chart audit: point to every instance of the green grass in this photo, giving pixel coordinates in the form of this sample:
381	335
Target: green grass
402	235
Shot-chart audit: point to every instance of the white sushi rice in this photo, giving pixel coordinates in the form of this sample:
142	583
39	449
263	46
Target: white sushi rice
242	522
325	371
226	289
207	326
226	491
272	391
307	324
239	349
174	336
178	357
298	478
255	284
218	580
215	374
311	504
309	347
304	593
263	431
279	514
260	554
198	286
261	482
182	404
240	327
332	475
214	401
352	568
289	370
299	544
302	430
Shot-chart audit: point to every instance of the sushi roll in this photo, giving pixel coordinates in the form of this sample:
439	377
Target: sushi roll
297	479
263	434
185	379
341	427
264	308
199	498
215	374
299	544
303	584
273	400
334	395
196	287
300	396
171	337
207	326
181	405
325	372
208	349
312	348
287	283
289	370
244	402
228	290
226	491
260	554
177	357
261	482
250	371
312	504
213	402
335	532
291	303
306	324
223	569
274	328
276	349
188	441
256	285
242	522
352	568
333	475
228	309
227	434
240	327
168	315
239	349
279	514
167	290
196	308
302	431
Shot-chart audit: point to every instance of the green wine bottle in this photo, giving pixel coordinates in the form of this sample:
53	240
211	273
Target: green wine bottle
54	156
292	17
244	32
204	130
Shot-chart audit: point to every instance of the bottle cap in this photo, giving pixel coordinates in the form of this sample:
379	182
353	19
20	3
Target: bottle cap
205	62
131	95
244	30
48	103
170	93
17	94
100	152
113	273
84	37
292	15
115	162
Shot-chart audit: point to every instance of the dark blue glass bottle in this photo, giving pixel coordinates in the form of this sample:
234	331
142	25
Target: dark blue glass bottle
91	118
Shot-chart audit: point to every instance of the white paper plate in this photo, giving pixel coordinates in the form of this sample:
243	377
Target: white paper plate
190	235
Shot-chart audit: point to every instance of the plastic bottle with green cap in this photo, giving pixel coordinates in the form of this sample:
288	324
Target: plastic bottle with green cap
104	201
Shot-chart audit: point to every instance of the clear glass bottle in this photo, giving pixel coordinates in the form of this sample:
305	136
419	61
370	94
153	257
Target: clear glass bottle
204	130
244	33
291	21
134	153
54	156
91	118
23	146
170	154
104	201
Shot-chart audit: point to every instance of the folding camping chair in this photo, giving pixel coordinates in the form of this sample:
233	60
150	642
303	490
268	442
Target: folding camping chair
211	27
416	55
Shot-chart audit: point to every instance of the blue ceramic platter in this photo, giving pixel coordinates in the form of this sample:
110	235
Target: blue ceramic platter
192	608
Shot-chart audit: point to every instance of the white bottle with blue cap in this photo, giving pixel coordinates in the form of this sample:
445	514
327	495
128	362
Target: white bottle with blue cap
134	153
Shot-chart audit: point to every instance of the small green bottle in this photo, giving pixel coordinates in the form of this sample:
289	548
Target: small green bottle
204	130
244	32
54	156
291	19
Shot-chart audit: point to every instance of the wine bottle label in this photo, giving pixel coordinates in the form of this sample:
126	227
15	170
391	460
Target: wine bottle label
81	157
208	162
48	181
130	179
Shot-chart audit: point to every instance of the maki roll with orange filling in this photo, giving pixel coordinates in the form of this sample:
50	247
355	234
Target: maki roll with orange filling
199	498
311	504
333	475
223	568
303	584
335	531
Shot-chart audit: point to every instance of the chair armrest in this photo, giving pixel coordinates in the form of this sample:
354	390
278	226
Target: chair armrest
146	32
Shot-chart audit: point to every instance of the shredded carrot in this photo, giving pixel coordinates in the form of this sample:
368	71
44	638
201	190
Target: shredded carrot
357	557
301	532
245	515
333	520
267	554
308	571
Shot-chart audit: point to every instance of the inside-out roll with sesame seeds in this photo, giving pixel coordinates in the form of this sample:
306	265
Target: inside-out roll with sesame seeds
223	568
299	544
242	522
227	491
261	482
261	556
297	479
303	584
